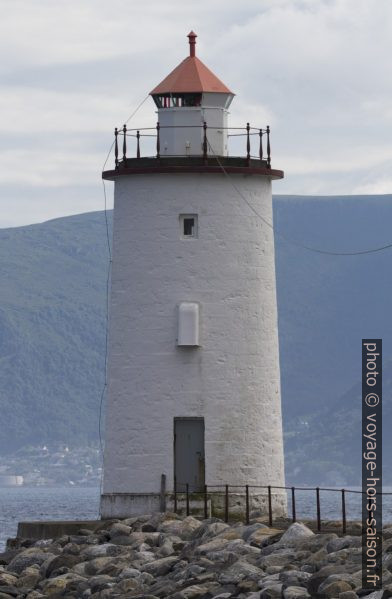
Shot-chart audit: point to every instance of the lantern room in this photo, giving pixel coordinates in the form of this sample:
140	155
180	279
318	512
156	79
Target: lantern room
188	97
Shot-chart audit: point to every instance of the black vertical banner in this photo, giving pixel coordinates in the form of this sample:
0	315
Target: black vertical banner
372	463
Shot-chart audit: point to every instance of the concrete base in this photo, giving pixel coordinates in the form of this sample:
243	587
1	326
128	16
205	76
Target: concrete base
124	505
53	529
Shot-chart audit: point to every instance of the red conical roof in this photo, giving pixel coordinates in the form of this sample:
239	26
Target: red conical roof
191	76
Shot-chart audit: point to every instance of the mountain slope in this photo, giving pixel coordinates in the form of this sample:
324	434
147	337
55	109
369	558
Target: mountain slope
327	304
53	319
52	322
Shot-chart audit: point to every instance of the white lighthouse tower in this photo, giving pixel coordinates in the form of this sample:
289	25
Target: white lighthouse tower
193	362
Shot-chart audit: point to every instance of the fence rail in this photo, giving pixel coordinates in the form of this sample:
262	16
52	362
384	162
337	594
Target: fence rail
253	137
224	489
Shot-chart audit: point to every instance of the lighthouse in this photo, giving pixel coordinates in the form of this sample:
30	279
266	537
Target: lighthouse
193	396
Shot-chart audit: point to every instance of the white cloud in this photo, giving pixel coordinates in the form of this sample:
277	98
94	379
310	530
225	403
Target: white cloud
361	158
383	186
50	204
315	70
48	169
29	110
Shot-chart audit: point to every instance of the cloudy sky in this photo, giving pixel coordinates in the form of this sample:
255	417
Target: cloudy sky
317	71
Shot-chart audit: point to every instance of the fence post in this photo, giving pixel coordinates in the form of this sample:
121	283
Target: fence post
175	495
162	496
269	506
116	147
125	143
261	144
247	504
226	503
343	512
205	502
318	509
158	141
293	503
247	143
205	142
268	148
187	499
138	144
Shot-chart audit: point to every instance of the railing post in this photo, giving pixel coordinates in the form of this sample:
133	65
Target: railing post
116	147
269	506
138	144
125	144
158	141
205	142
187	499
226	503
205	502
247	504
162	497
247	143
261	144
293	503
268	148
175	495
318	509
343	512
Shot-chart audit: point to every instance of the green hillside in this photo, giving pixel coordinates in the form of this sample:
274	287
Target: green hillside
53	321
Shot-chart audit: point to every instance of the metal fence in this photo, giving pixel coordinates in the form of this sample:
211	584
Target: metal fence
250	490
257	141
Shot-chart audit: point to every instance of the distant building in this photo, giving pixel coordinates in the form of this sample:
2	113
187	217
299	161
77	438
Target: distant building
11	480
193	363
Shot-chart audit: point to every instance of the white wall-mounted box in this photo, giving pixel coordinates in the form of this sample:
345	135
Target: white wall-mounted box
188	324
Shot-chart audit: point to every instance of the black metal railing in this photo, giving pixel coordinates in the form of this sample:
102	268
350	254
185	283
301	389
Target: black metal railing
257	142
185	492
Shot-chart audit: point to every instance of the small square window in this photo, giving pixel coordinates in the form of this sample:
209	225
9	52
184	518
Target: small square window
188	225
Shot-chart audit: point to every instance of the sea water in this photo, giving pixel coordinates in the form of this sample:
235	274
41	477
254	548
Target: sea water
45	503
82	503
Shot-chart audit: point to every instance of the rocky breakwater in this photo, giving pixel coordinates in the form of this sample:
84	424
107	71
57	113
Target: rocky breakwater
164	555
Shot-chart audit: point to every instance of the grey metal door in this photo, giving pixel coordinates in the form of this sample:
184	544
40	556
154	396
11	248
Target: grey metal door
189	453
